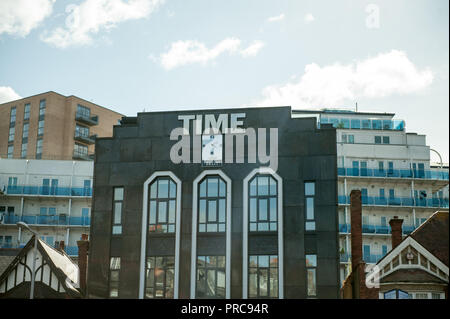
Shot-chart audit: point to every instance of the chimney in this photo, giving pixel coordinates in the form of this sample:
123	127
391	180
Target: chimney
396	230
61	245
356	227
83	248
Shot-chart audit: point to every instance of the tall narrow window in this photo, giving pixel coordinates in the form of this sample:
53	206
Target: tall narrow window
25	131
12	119
12	131
114	270
212	205
10	151
309	204
160	277
210	277
263	204
39	149
311	264
26	112
263	276
117	211
163	195
41	127
42	105
24	150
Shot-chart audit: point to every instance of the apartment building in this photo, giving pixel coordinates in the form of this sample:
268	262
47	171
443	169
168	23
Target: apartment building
53	126
392	169
52	196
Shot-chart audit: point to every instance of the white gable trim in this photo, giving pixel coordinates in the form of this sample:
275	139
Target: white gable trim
409	241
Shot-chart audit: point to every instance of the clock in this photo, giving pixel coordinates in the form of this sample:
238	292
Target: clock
212	150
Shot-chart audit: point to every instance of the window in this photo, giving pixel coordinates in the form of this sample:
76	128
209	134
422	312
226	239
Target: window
397	294
377	139
366	124
26	114
159	277
83	111
344	123
385	139
117	211
163	195
24	150
387	125
41	127
380	166
42	105
376	124
311	264
391	193
351	138
114	270
80	150
81	131
12	131
263	203
309	204
12	118
263	276
391	168
25	131
344	138
39	149
210	277
212	205
381	192
10	151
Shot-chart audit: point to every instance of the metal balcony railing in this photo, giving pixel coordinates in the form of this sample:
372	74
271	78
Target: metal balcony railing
90	120
377	229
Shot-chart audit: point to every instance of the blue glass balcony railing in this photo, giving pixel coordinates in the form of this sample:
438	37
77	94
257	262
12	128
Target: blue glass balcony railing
372	259
377	229
394	173
49	191
71	250
48	220
398	201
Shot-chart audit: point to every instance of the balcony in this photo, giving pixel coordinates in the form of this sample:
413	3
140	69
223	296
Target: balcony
49	191
71	250
85	119
83	156
395	173
376	229
85	138
48	220
372	259
398	201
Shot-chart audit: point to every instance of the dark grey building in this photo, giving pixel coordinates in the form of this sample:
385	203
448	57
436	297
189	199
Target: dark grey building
245	211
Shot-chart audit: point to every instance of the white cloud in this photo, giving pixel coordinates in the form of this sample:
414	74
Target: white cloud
309	18
189	52
91	16
7	94
276	18
252	49
331	85
19	17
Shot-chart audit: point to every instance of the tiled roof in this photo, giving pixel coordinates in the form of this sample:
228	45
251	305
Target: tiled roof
433	236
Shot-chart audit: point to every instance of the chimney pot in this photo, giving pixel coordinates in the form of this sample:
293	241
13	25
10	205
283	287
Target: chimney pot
61	245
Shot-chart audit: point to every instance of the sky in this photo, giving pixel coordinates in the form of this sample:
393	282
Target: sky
154	55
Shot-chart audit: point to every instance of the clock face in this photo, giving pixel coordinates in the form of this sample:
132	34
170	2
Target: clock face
212	150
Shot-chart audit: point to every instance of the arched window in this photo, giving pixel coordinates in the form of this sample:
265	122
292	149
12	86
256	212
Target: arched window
263	203
212	204
162	205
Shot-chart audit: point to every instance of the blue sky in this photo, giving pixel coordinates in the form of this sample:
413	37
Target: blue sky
389	56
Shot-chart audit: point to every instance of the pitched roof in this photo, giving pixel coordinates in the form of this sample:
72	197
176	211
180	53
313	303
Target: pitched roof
60	263
433	235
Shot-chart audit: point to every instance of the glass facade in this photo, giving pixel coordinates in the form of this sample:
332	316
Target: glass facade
159	279
212	205
162	214
210	277
365	124
263	203
263	276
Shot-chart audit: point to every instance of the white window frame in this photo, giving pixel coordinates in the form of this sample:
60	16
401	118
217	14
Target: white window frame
194	231
266	171
144	231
